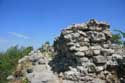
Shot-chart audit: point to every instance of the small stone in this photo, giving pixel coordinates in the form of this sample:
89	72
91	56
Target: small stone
98	29
89	53
109	58
70	44
84	48
101	76
82	33
97	37
65	32
80	54
117	56
109	51
108	33
81	26
92	28
84	59
84	43
68	36
76	44
105	45
97	47
73	44
88	78
73	69
99	59
96	80
112	63
11	77
97	52
99	68
73	48
25	58
82	69
34	57
75	35
69	73
42	61
91	68
86	40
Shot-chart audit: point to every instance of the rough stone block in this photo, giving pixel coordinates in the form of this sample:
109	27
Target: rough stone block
99	59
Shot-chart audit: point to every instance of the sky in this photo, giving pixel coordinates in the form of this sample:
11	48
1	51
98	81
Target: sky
32	22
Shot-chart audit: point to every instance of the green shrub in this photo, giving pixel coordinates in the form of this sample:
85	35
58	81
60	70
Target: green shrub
9	60
116	39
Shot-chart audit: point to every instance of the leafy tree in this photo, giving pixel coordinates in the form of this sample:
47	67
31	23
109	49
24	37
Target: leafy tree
121	32
116	39
27	50
123	36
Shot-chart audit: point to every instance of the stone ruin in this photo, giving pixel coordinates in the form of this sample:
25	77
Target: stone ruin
84	54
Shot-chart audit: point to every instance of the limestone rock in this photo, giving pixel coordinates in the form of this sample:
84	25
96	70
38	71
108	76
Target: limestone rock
80	54
99	59
87	49
11	77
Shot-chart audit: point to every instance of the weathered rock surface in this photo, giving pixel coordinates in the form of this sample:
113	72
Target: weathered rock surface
35	69
85	54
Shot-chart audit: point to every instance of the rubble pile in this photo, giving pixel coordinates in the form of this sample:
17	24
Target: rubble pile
33	68
84	54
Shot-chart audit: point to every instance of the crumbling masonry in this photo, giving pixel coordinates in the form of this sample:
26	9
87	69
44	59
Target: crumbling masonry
84	54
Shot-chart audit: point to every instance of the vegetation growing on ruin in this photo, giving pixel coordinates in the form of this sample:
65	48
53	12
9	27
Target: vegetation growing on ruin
47	49
9	59
118	37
